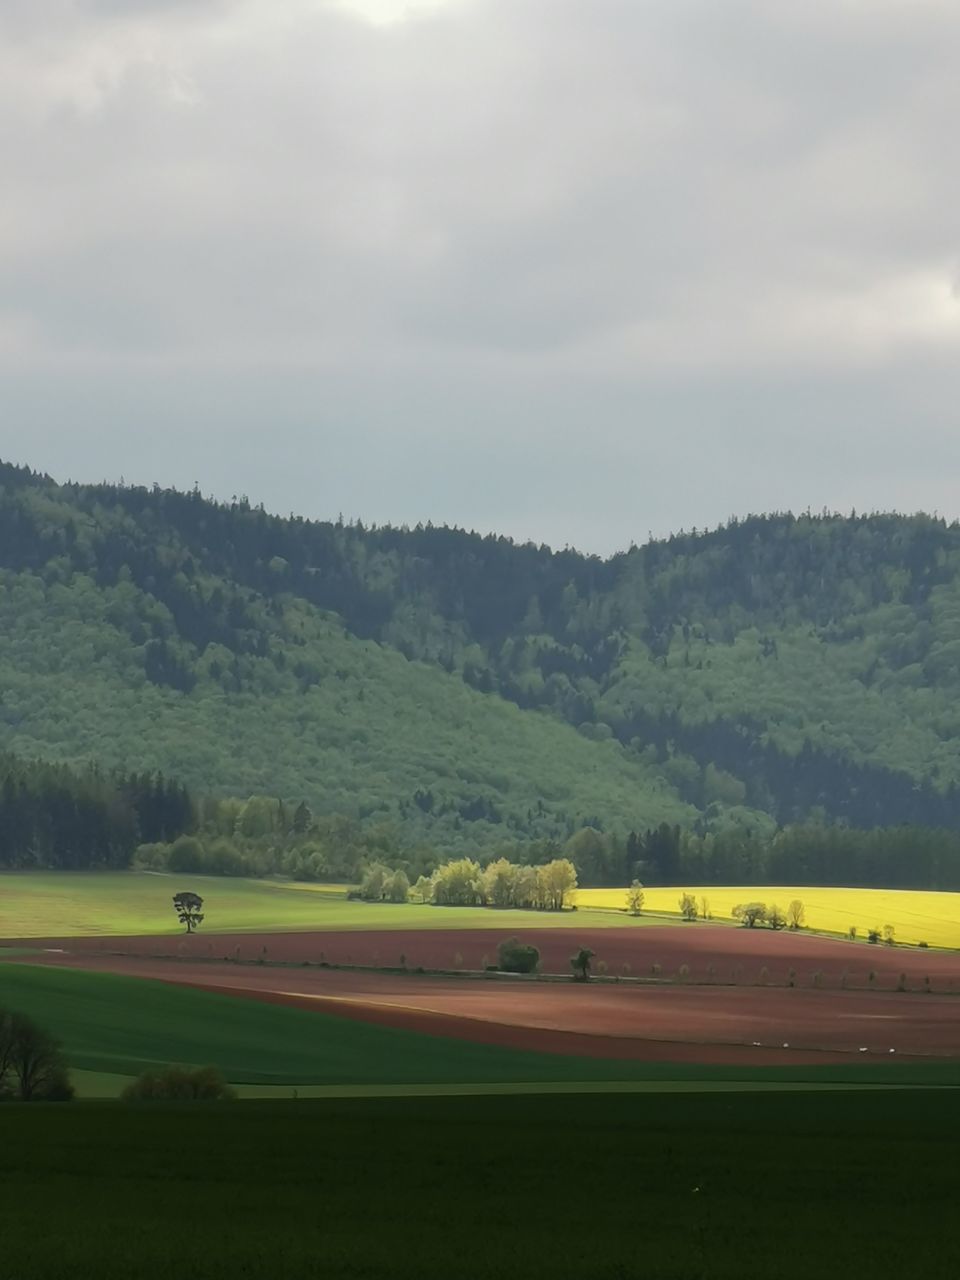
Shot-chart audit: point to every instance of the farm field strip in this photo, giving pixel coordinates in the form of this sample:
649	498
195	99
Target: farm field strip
102	1085
916	916
116	904
602	1020
715	954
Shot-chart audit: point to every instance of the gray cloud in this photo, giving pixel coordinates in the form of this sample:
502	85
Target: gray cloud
577	271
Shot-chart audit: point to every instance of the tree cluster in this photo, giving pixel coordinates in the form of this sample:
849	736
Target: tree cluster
462	882
60	818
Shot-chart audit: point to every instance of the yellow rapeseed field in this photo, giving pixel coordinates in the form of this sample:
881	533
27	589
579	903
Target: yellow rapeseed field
916	916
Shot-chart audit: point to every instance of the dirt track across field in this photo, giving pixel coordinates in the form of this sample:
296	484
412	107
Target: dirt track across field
673	1022
711	953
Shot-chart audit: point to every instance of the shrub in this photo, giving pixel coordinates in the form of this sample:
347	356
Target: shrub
873	936
179	1084
514	956
923	944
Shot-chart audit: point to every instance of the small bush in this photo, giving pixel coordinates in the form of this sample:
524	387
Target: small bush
923	944
517	957
873	936
179	1084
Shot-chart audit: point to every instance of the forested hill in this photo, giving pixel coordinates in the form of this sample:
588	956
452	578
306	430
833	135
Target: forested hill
467	687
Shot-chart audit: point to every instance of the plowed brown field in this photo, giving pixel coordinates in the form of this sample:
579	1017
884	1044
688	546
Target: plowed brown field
712	953
670	1022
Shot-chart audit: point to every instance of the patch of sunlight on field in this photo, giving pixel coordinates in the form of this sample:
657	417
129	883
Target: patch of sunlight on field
916	916
64	904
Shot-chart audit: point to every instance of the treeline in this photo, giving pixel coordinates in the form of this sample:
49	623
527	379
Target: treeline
263	836
58	818
813	853
61	818
462	882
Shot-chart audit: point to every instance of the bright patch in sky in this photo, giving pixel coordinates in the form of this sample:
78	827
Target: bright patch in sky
384	13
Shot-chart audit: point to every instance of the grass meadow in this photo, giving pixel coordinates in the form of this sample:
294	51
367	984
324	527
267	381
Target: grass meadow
916	916
60	904
678	1187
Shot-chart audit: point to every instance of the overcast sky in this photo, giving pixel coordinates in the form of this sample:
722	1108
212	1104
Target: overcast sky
573	270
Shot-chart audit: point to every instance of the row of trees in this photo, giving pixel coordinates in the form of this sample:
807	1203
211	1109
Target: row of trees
56	817
465	883
250	838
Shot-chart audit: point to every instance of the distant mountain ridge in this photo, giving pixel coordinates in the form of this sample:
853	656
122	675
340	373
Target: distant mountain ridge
465	687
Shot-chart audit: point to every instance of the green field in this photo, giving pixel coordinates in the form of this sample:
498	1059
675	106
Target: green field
60	904
703	1187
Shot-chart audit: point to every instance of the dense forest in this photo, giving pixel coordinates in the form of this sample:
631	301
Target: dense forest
470	692
55	817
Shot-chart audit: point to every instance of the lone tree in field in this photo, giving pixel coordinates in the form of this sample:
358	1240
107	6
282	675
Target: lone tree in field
750	913
796	914
581	964
32	1066
688	906
189	909
635	898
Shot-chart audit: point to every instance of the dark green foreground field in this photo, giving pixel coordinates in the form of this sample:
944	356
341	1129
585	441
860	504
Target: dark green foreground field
704	1186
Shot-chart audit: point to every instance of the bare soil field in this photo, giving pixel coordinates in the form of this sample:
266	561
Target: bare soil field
670	1022
718	954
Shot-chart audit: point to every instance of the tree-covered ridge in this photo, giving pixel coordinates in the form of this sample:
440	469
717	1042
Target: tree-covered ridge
789	666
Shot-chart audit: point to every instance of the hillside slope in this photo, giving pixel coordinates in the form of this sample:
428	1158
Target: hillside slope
472	687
